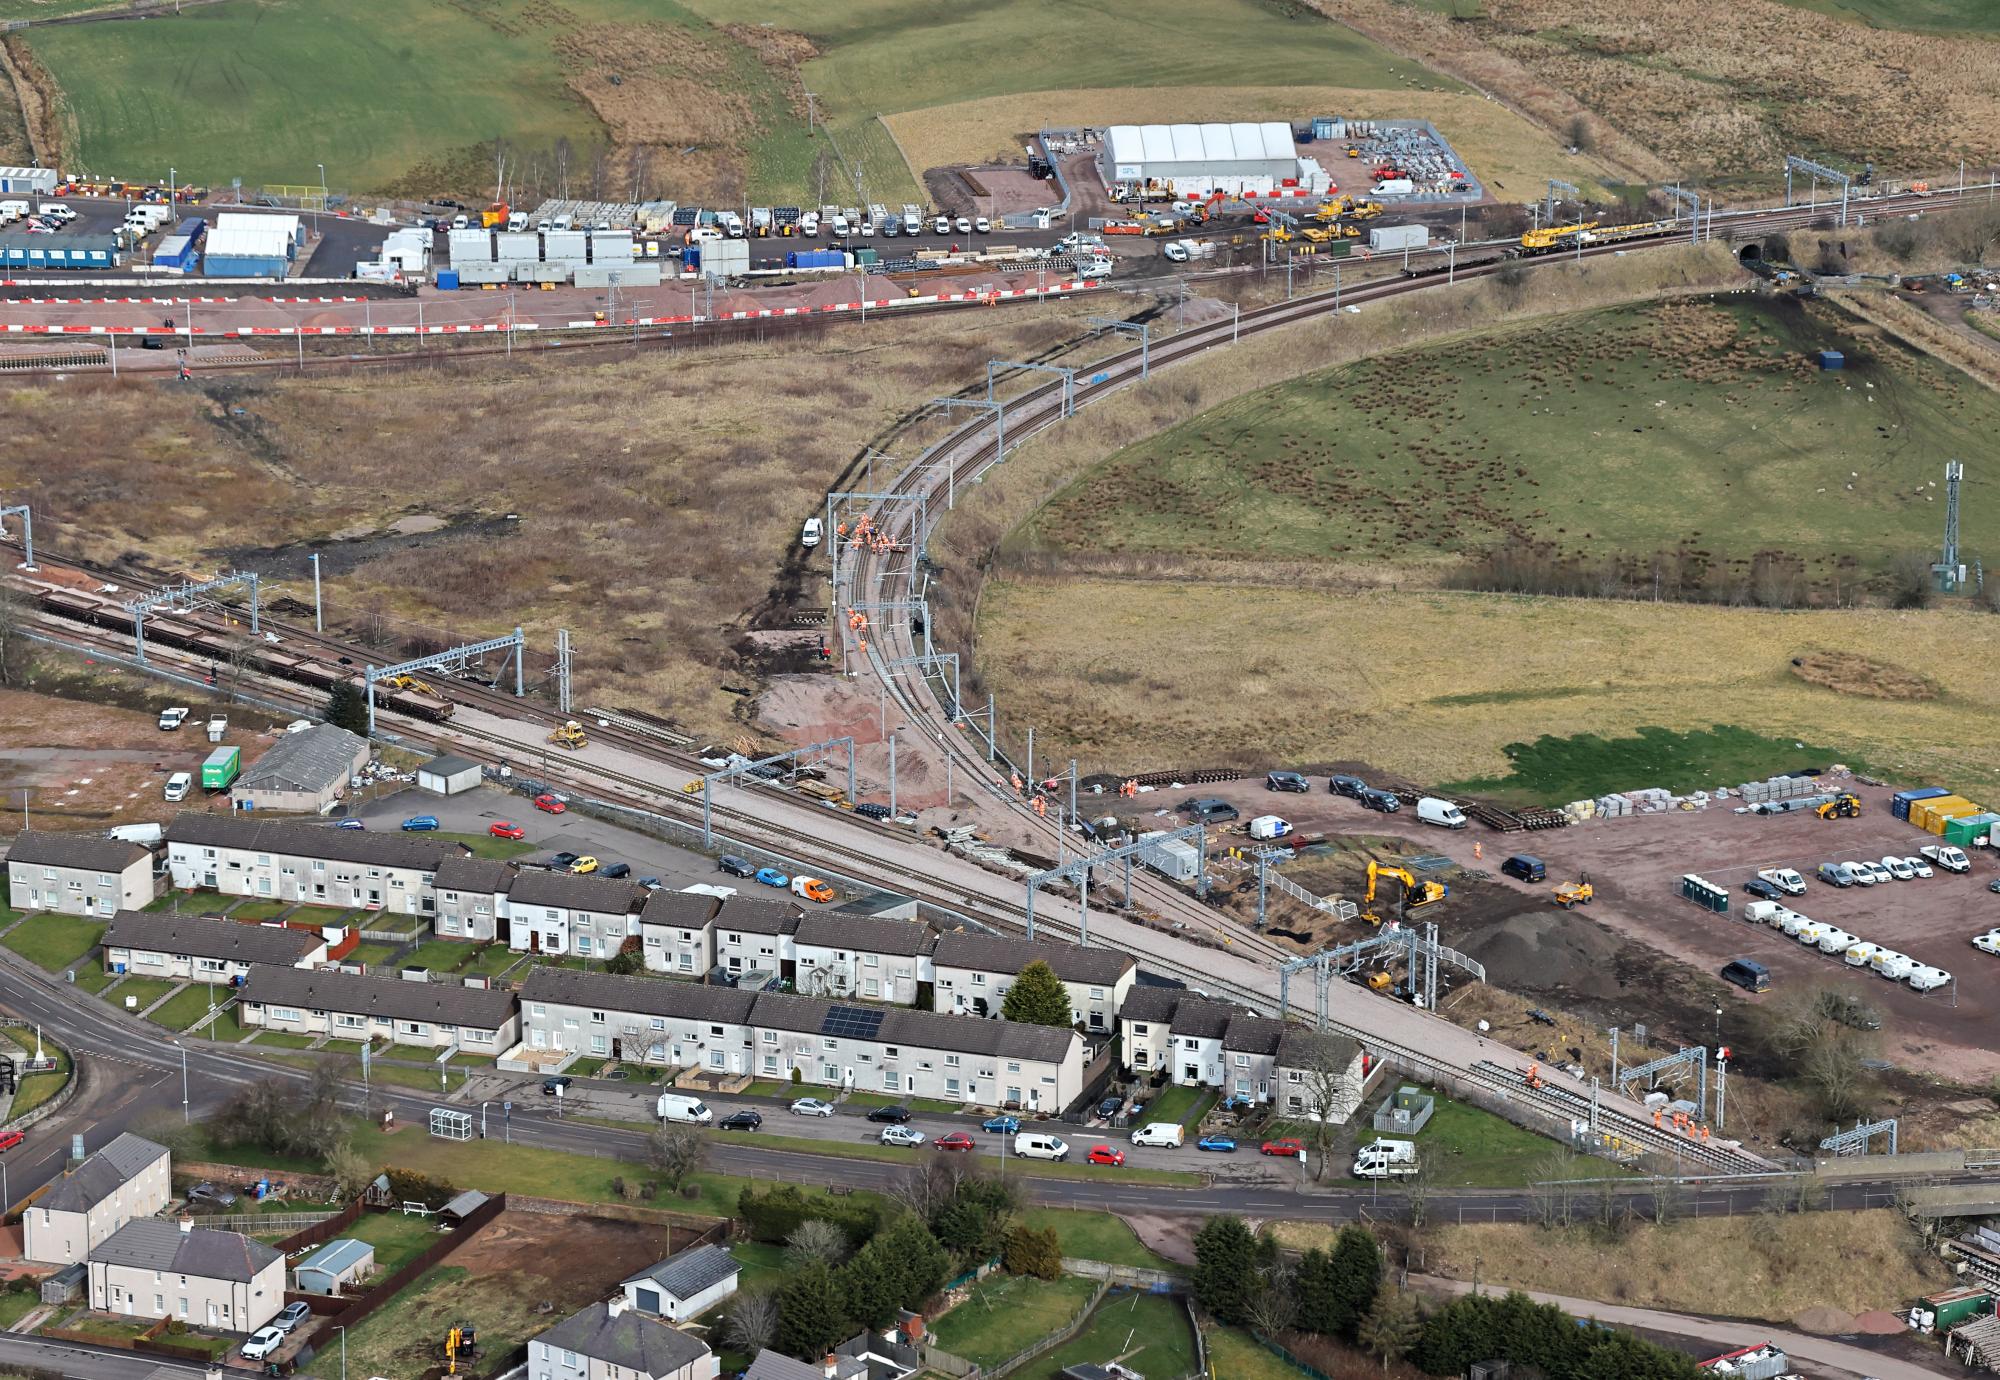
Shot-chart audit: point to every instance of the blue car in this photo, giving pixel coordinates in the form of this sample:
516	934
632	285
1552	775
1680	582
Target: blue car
1004	1125
419	823
770	876
1225	1144
349	824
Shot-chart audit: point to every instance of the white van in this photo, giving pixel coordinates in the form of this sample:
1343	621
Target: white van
1442	813
675	1107
1269	827
1168	1133
1035	1145
58	210
13	210
1386	1159
1810	932
179	784
1835	941
1862	955
1892	965
1924	978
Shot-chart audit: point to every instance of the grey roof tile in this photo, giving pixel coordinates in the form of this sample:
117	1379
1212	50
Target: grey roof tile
679	910
152	1243
201	937
646	996
421	852
101	1174
390	998
631	1339
865	934
314	759
576	891
89	852
757	915
686	1273
486	876
994	953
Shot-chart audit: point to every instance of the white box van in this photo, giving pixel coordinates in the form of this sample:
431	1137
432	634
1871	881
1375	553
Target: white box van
1431	810
179	784
13	210
1924	978
1386	1159
1168	1133
675	1107
58	210
1035	1145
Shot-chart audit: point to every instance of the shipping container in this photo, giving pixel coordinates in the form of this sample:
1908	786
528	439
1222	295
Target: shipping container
176	252
1970	831
1177	858
1932	815
1393	237
1900	802
220	768
1955	1306
815	258
194	228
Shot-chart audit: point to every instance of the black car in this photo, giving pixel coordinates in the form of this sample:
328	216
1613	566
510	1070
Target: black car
1210	810
615	870
868	809
1286	781
745	1120
1108	1108
1993	886
551	1086
735	866
564	859
1763	890
1349	786
1526	866
894	1115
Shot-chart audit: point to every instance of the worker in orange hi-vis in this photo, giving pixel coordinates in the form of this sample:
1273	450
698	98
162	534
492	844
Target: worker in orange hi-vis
1656	1118
1478	850
1041	807
1015	777
1704	1133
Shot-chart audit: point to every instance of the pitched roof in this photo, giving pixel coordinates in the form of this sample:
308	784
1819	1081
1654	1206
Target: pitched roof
756	915
151	1243
486	875
646	996
688	1272
92	852
419	851
1303	1047
920	1029
679	910
100	1175
865	934
337	1256
773	1365
994	953
629	1338
1205	1020
576	891
1144	1003
329	989
201	937
313	759
1253	1034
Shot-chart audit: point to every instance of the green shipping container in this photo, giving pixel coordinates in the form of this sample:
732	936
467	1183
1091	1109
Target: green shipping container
1955	1306
1969	831
220	768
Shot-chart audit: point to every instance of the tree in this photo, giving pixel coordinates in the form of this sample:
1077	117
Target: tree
1909	581
1318	1299
815	1239
1577	132
921	1263
1225	1269
1418	1185
1035	1251
1354	1274
350	1171
1037	997
14	615
972	1222
674	1151
871	1287
811	1316
347	708
1274	1304
1391	1326
752	1324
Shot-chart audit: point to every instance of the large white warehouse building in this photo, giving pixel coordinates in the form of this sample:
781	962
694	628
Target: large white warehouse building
1233	158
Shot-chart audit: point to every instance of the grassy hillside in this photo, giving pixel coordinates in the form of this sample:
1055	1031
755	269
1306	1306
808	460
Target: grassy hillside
1944	16
1700	425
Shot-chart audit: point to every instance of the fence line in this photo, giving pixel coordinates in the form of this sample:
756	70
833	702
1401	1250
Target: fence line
269	1221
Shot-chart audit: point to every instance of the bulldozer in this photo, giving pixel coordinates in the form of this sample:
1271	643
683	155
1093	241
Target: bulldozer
570	735
1416	894
1576	893
1846	805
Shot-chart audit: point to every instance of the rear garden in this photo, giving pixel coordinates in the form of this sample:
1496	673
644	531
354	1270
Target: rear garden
1003	1315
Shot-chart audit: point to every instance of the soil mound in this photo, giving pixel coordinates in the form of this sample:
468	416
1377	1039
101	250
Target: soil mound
1845	674
1824	1322
1539	950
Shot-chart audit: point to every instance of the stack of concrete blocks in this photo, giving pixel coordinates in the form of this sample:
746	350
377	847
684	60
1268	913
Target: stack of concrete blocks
1779	788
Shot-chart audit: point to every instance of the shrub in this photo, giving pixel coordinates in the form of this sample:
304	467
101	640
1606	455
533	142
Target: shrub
775	1215
1033	1251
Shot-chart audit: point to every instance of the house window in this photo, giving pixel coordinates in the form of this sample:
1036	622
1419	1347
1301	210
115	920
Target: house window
283	1013
951	1061
583	943
872	961
687	962
451	924
770	1063
891	1051
1242	1061
415	1028
1138	1032
716	1031
951	1087
1294	1076
827	1043
1013	1068
597	1018
597	1045
979	979
538	1009
659	1023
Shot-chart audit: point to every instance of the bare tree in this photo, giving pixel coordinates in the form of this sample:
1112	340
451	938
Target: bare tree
816	1239
1273	1307
1554	1188
1666	1198
1417	1186
350	1170
930	1183
1330	1086
674	1151
753	1322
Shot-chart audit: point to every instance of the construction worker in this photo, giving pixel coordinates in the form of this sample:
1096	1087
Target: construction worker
1656	1118
1478	850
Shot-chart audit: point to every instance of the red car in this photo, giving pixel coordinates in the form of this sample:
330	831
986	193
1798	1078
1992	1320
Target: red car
957	1140
1104	1154
1290	1145
505	829
10	1139
548	804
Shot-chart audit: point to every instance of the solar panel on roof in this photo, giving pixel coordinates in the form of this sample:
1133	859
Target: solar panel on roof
853	1022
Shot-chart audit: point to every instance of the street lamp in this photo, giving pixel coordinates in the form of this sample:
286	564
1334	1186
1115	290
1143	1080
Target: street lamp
343	1350
185	1114
322	198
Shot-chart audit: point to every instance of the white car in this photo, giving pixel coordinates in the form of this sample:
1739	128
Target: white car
811	1106
1918	867
1988	942
964	225
901	1135
263	1342
171	719
1864	873
1899	868
1882	874
178	785
982	226
810	534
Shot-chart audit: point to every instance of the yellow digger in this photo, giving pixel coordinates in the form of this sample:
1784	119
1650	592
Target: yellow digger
1846	805
1416	894
1576	893
570	735
411	683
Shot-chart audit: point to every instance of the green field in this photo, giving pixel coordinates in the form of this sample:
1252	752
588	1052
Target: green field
1584	764
1476	1149
1004	1314
1096	1236
1702	427
1148	1332
397	1238
1943	16
53	941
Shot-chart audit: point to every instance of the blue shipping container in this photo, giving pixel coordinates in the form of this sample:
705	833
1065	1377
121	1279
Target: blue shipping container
447	280
194	227
1900	802
1832	359
691	256
815	258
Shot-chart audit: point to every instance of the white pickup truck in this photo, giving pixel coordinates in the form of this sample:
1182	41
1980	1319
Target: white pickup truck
1783	878
1945	855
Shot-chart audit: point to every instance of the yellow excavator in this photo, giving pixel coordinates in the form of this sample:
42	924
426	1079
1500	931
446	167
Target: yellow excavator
570	735
411	683
1846	805
1416	894
1576	893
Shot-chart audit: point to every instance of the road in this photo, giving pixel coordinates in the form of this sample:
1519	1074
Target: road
97	1363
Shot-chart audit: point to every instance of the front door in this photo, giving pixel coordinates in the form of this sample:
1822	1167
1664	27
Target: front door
538	1039
211	1315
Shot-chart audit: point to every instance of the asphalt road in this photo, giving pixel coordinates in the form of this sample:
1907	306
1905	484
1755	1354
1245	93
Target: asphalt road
98	1363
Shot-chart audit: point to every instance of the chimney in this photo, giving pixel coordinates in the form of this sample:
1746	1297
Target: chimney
617	1306
832	1365
187	1225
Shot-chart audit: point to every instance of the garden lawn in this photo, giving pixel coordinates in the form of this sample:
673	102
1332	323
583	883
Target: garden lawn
486	846
283	1039
1005	1314
1234	1354
763	1264
259	910
439	955
372	952
94	977
227	1026
397	1239
142	992
53	942
189	1005
16	1304
1096	1236
1185	1105
1477	1149
1150	1333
